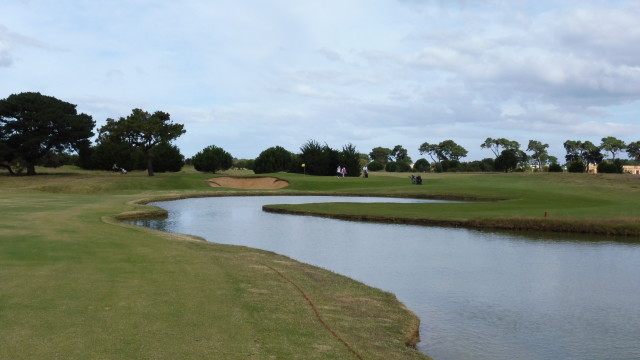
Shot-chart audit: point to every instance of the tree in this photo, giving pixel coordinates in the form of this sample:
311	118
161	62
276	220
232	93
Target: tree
422	165
591	154
106	154
7	157
611	167
318	159
375	166
447	151
32	125
432	150
585	152
539	150
350	159
212	159
391	166
555	167
633	150
397	166
507	161
273	159
400	154
576	167
573	149
167	158
495	144
612	145
381	154
142	130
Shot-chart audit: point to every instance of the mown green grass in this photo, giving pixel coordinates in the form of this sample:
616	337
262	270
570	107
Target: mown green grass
76	285
599	204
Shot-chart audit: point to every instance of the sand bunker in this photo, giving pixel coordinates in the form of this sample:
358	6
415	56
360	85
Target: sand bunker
248	183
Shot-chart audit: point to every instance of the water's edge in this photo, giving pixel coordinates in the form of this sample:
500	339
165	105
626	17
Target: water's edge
149	212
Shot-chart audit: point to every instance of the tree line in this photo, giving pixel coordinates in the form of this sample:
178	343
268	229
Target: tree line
36	129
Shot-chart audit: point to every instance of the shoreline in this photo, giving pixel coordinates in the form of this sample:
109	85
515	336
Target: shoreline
148	212
566	226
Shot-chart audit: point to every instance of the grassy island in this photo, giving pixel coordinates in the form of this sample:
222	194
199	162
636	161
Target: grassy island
75	283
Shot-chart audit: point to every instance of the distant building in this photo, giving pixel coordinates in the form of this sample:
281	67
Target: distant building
631	169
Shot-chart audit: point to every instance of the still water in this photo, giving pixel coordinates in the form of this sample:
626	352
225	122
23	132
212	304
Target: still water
479	295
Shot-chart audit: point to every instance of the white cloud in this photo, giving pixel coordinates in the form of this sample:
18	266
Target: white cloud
253	74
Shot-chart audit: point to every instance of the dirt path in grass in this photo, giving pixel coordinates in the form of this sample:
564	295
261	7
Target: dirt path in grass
248	183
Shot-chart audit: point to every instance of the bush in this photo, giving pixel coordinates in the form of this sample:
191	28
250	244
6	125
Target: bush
350	159
449	165
576	167
397	166
555	168
375	166
212	159
507	161
404	166
107	154
243	163
54	159
614	167
422	165
318	159
272	160
391	166
488	164
167	158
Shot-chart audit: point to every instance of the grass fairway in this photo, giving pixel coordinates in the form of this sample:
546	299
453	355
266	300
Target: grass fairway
574	203
76	285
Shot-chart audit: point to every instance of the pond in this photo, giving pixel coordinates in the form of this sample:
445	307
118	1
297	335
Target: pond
479	295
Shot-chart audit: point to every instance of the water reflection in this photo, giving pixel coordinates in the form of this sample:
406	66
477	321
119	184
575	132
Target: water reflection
480	295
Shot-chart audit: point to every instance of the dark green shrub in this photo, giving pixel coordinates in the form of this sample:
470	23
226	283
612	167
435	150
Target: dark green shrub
487	164
375	166
422	165
576	167
610	167
506	161
167	158
212	159
318	159
450	165
350	159
555	168
403	166
391	166
272	160
243	163
107	154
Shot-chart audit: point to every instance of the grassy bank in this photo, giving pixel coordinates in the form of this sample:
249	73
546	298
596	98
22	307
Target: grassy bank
74	285
572	203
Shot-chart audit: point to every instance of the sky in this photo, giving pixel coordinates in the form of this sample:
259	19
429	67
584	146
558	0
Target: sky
246	75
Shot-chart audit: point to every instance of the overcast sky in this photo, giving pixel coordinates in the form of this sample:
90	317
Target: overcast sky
246	75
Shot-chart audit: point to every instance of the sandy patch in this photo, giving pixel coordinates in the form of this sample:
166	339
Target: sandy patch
248	183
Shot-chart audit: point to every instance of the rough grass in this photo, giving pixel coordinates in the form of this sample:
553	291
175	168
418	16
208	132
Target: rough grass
74	284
